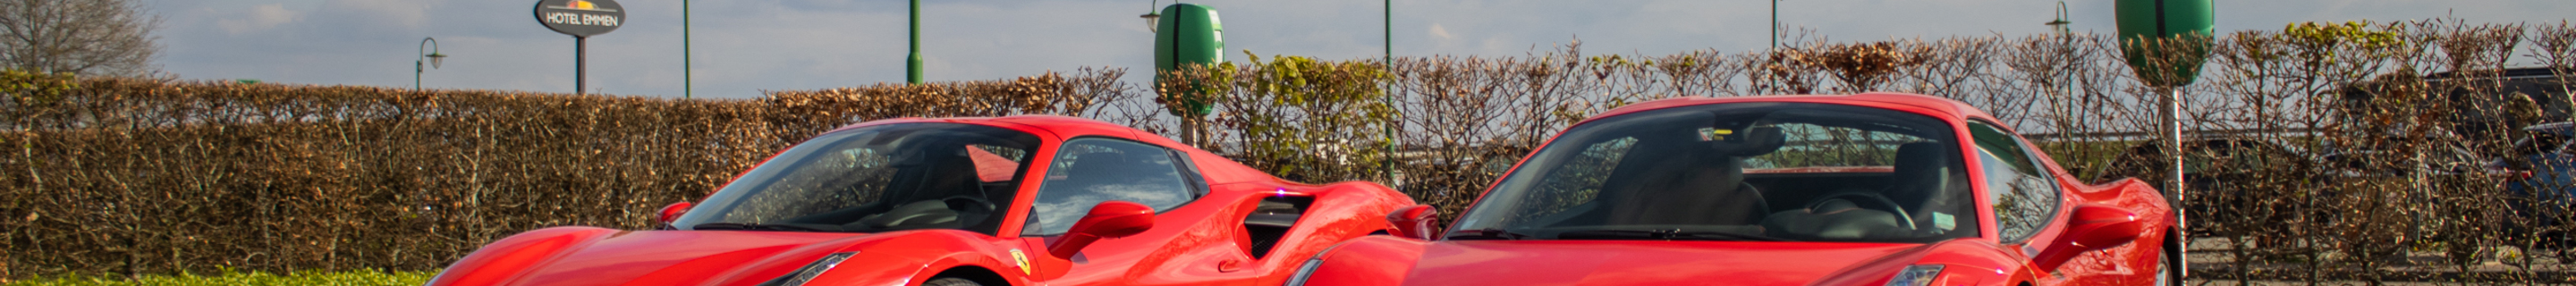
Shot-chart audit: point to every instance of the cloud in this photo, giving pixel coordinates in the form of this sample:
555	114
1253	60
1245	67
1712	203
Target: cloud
260	18
1441	32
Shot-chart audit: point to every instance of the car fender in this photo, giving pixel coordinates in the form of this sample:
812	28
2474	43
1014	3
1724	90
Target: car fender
1368	260
2136	196
505	260
1341	212
1964	262
2158	219
1371	201
910	258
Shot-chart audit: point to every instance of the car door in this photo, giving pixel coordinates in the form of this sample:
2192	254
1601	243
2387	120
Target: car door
1089	170
2028	205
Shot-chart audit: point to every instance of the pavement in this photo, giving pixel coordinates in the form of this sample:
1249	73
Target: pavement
2210	260
2196	282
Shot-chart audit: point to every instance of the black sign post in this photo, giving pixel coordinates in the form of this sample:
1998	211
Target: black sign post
581	19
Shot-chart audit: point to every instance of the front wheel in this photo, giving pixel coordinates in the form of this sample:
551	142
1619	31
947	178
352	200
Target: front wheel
952	281
2169	262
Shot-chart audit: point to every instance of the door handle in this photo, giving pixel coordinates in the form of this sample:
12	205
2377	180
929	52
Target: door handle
1229	265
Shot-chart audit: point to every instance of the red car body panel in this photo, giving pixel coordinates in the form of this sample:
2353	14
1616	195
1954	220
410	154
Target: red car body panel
1200	243
1980	260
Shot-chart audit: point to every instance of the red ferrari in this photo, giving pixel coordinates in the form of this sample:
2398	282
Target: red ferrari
1869	189
1022	200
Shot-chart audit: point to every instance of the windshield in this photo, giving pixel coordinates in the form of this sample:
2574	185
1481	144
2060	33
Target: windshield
1745	171
877	178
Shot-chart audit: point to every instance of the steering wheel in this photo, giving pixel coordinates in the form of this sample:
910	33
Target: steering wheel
1891	205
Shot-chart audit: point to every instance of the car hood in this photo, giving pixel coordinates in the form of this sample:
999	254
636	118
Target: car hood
682	257
1624	262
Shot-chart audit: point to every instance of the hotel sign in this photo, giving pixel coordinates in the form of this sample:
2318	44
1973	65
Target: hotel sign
580	18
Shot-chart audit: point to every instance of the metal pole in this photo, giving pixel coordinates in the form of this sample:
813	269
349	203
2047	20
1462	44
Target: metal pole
2173	129
2173	144
912	64
1388	166
687	83
1775	24
580	65
2065	80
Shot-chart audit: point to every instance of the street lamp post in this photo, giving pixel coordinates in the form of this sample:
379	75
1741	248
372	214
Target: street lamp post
2065	80
2061	22
1388	127
429	48
687	84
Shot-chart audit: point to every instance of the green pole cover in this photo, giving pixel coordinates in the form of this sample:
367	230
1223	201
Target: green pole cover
2176	30
1188	34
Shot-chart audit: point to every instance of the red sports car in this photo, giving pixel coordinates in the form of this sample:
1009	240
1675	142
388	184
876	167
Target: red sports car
1022	200
1869	189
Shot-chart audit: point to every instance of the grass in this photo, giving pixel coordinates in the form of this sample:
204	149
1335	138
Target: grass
347	278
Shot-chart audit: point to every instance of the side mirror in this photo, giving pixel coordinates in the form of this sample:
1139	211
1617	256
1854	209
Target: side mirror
672	212
1414	222
2093	227
1111	219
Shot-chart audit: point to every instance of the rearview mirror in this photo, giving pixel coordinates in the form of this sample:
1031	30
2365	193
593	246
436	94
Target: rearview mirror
2093	227
672	212
1111	219
1414	222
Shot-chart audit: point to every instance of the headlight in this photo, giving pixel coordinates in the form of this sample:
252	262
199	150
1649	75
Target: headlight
1299	279
810	270
1917	275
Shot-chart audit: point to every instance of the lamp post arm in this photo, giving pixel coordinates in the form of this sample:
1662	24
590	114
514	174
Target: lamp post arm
428	46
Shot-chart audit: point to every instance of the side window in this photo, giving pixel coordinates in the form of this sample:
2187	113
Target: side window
1088	171
2024	196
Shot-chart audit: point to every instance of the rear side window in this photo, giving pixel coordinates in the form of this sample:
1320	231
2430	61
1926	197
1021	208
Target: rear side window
2024	197
1089	171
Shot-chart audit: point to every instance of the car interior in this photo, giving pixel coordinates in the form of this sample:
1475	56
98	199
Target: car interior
888	178
937	188
1816	175
1872	205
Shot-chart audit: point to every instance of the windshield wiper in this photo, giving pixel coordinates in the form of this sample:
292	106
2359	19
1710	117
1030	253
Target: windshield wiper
1661	234
1488	233
753	226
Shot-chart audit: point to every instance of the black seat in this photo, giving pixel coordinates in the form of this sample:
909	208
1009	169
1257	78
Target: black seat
1922	180
1700	183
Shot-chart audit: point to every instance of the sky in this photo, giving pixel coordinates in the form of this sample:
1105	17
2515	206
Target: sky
738	48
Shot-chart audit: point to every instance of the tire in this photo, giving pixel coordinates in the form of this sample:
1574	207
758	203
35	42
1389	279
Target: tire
2169	268
951	281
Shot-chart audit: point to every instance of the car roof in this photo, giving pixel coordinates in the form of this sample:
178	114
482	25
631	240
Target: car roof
1218	169
1061	127
1943	108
